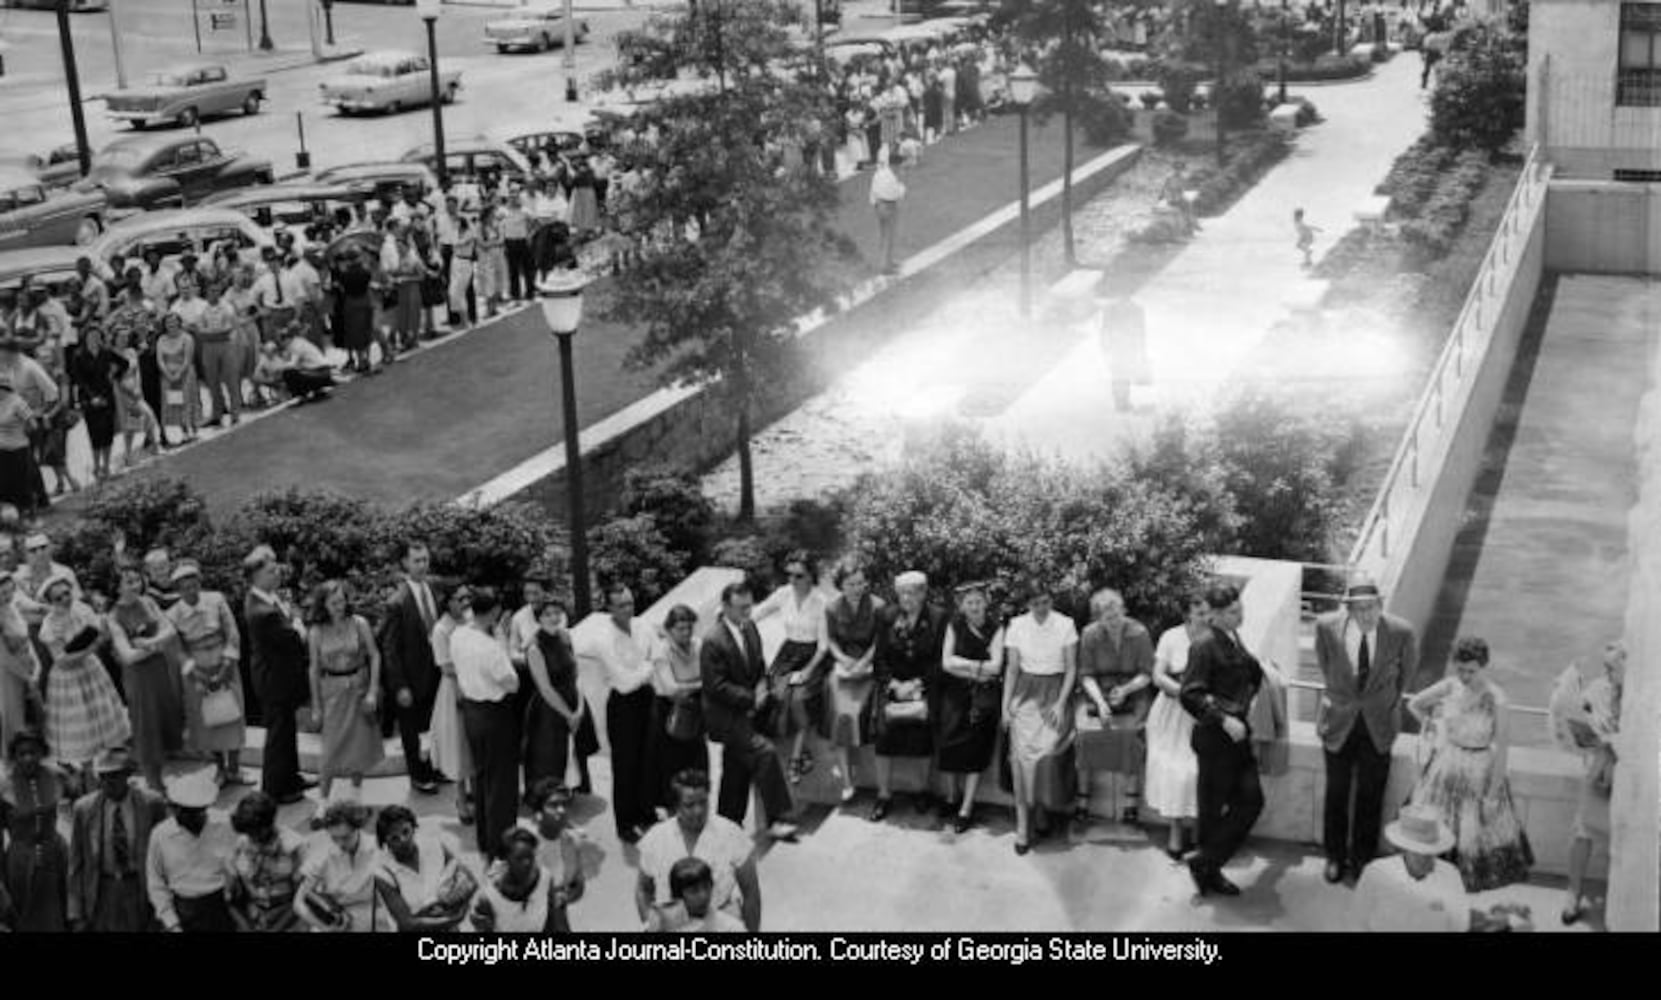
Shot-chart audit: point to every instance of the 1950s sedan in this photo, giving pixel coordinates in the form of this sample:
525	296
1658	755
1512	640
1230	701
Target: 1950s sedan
388	81
167	171
31	216
186	95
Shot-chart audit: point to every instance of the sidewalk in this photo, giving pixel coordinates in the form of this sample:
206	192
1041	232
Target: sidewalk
432	427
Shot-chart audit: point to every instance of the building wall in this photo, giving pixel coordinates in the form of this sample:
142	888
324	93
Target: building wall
1603	227
1571	111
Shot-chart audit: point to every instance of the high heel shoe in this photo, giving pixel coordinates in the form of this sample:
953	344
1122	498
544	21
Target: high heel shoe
880	810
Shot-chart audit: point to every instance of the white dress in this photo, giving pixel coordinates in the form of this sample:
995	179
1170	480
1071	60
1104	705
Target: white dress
1172	770
515	917
449	741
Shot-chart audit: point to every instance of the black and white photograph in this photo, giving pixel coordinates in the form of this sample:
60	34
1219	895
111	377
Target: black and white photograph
886	482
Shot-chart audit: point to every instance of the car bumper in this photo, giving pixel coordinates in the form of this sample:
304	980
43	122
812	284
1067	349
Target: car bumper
356	103
140	117
524	41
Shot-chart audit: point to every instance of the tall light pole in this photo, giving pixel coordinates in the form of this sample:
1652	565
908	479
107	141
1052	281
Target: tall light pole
569	56
115	40
1222	70
266	45
561	297
329	21
1285	46
430	11
1023	87
72	77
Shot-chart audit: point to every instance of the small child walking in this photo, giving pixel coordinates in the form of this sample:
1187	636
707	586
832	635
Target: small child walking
1306	236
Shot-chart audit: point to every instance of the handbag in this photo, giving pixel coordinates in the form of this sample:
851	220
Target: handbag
906	711
220	708
686	720
456	888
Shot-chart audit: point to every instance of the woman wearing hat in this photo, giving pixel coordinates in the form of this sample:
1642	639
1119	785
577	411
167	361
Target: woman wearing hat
213	646
35	874
84	714
1466	776
147	646
1416	892
971	698
905	670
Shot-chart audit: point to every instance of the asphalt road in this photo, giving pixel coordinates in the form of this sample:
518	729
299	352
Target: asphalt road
499	92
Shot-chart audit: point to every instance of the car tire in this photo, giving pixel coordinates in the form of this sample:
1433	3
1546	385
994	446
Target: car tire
544	43
138	125
189	117
450	94
88	230
502	50
251	106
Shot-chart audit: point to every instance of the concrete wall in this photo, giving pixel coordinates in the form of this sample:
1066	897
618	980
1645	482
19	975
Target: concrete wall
1603	227
1572	111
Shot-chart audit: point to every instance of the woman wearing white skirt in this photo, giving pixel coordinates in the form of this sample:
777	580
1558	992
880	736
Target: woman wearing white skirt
449	741
1170	785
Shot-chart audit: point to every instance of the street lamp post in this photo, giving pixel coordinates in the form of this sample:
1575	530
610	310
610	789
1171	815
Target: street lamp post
329	21
430	11
569	56
72	77
1217	88
561	297
266	45
1285	46
1023	87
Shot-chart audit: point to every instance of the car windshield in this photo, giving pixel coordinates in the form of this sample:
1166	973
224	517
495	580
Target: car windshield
373	67
120	158
171	79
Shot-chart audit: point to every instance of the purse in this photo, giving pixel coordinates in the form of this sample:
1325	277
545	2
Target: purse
457	888
906	711
220	708
686	720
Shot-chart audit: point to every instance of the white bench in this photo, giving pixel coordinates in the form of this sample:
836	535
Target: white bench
1284	118
1372	211
1072	298
1303	302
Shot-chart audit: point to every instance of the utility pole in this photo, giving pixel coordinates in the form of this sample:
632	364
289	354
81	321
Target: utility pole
72	77
313	29
569	56
115	39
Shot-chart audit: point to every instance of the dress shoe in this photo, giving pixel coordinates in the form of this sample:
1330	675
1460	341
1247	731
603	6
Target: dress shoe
1222	886
1335	872
1201	876
1571	915
424	785
961	824
880	810
305	784
1176	853
1022	847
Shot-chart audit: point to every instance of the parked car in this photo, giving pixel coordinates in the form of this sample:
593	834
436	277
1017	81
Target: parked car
186	95
56	168
30	216
49	267
385	182
536	29
471	158
177	231
390	82
157	171
297	204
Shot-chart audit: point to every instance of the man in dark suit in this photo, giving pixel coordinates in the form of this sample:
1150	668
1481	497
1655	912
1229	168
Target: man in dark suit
735	690
407	651
1217	690
1367	659
109	834
278	660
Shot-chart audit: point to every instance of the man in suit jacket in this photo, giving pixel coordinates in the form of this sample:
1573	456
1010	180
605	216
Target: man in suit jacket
1218	687
109	835
735	689
1367	659
278	661
407	651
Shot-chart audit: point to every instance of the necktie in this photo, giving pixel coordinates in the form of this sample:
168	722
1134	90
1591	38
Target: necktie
424	598
121	846
277	280
752	649
1363	664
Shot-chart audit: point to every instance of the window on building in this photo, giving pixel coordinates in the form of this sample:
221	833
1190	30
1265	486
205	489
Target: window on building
1638	76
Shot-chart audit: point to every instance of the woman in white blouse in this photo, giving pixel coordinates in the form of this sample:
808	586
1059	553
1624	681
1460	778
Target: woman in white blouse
450	751
1170	788
420	884
678	741
798	671
1042	648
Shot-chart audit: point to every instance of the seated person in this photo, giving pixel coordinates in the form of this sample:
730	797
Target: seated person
691	889
296	364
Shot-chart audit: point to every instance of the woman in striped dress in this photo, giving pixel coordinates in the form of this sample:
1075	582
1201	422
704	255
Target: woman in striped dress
84	713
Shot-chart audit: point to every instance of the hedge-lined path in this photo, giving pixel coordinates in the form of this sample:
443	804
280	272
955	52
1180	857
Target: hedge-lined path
450	418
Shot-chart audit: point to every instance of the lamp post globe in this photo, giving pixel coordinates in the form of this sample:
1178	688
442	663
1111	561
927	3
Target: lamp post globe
1023	85
560	296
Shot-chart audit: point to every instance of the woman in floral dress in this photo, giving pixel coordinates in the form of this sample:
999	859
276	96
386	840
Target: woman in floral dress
1466	776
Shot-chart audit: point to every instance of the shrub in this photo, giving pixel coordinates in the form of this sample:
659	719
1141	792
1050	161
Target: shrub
1432	233
1248	158
1415	174
750	554
1169	128
676	504
150	512
1106	121
1478	100
1165	227
1308	113
1150	100
1322	68
1240	101
632	551
490	546
1182	461
1178	81
319	534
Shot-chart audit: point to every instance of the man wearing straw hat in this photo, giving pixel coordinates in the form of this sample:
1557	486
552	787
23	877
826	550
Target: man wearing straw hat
1417	892
1367	659
108	838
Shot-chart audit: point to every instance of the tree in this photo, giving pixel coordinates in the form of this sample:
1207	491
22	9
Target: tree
1222	37
735	240
1072	71
1478	102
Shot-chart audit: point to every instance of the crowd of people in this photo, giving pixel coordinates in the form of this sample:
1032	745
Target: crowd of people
103	684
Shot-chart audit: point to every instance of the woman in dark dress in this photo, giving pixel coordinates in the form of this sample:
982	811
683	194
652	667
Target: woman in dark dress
678	742
907	669
557	711
933	107
94	372
970	700
35	873
148	648
851	633
354	307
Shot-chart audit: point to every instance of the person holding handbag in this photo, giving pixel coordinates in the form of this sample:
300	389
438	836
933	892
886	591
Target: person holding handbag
678	742
338	891
906	670
422	885
213	697
84	713
345	688
799	667
147	646
971	698
557	713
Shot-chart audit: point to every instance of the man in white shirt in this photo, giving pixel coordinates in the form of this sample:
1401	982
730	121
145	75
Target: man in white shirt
447	231
886	194
188	858
157	281
621	647
1416	892
277	292
488	683
93	288
306	275
298	365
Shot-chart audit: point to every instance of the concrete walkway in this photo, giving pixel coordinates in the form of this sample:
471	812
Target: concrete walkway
1541	569
1217	300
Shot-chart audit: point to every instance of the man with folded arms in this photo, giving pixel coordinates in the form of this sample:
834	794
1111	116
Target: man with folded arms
488	683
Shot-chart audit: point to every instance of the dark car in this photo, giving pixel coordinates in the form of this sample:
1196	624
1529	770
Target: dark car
384	182
31	216
170	171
